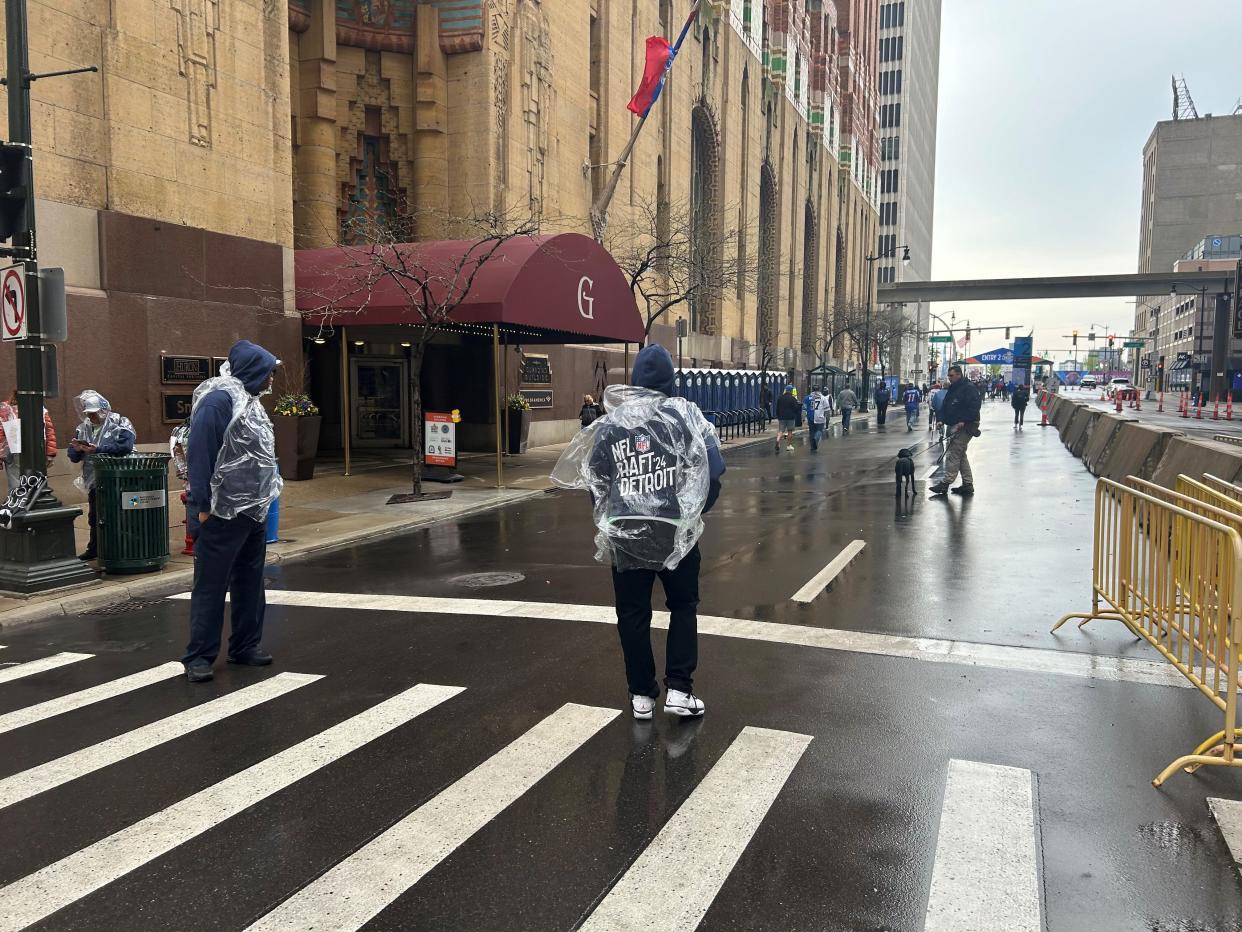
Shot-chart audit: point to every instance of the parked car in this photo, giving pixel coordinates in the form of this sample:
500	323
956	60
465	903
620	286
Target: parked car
1088	381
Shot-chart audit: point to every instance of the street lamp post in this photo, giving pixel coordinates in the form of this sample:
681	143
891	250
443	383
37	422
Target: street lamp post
871	285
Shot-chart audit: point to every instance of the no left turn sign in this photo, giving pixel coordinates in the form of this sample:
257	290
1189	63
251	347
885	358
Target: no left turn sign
13	302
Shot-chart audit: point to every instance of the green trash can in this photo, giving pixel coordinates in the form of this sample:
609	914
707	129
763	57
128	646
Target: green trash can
131	506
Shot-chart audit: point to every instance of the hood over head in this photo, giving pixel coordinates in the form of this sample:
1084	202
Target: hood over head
653	368
251	364
90	401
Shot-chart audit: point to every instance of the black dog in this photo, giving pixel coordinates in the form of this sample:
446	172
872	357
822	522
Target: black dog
904	470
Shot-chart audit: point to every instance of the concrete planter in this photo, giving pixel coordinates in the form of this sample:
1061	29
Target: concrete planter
297	441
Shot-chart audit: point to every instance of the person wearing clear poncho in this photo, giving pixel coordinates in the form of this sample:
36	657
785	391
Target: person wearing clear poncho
652	464
234	479
104	432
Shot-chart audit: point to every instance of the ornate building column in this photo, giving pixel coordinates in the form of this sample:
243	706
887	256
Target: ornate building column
430	198
315	221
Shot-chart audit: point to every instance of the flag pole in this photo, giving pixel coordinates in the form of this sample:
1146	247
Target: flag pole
599	210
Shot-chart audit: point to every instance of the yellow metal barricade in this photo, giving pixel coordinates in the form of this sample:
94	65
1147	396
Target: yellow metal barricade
1173	577
1203	492
1226	488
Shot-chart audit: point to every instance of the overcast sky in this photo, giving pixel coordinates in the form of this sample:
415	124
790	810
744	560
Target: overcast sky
1045	106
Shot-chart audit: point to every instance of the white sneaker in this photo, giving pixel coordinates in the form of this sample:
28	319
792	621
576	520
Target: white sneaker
790	447
687	705
642	706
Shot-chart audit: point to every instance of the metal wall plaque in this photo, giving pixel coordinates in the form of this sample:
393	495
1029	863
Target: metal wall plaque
184	369
536	370
537	397
177	406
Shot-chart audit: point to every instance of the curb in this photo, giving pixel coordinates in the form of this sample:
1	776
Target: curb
165	584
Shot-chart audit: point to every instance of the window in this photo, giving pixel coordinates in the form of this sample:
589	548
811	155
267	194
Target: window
890	148
888	214
887	244
891	48
890	82
892	15
888	181
888	275
890	116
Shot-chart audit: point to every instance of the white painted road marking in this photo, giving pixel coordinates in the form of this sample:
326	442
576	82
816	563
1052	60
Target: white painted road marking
986	875
673	882
820	580
85	697
56	772
933	650
19	670
38	895
362	885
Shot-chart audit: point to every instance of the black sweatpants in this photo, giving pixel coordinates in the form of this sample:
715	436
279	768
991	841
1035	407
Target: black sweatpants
228	559
881	413
681	596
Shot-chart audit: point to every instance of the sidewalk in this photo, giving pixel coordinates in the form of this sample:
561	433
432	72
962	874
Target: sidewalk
329	512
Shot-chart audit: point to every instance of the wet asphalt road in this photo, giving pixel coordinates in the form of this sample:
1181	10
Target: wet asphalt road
849	839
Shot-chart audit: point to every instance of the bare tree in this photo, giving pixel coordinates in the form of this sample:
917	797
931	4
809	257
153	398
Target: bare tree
852	323
377	256
669	262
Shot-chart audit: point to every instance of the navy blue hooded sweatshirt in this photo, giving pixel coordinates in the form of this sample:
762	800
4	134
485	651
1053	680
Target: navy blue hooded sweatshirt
653	368
252	365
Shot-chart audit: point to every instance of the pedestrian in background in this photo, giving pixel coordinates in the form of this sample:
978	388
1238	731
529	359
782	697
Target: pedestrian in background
234	479
788	411
9	414
912	398
935	400
101	431
882	399
960	413
1020	399
816	417
653	467
847	401
765	398
589	411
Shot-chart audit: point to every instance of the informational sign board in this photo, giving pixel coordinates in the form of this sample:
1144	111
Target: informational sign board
1145	363
1023	349
537	397
439	439
536	370
940	338
188	370
13	301
177	406
1237	313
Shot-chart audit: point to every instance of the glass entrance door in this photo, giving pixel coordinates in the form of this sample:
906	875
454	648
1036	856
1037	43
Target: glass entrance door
381	411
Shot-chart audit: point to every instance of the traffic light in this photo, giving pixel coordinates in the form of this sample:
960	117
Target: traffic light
1110	341
1006	333
14	188
1075	338
968	333
1091	336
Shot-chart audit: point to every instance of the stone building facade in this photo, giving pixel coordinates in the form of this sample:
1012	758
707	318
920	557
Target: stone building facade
163	188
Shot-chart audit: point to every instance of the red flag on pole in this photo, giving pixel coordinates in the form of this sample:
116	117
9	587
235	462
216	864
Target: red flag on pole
658	55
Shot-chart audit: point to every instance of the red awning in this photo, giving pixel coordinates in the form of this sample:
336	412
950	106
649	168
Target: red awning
563	287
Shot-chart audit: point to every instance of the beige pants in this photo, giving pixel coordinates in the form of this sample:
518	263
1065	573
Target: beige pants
955	460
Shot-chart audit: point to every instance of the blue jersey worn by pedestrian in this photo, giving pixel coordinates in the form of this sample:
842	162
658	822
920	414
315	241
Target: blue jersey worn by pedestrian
912	397
232	454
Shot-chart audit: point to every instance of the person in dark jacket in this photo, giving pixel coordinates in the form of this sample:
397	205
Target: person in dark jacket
787	411
233	481
959	412
1020	398
104	432
653	369
590	411
882	399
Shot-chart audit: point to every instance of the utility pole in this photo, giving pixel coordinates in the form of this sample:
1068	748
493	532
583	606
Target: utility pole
37	553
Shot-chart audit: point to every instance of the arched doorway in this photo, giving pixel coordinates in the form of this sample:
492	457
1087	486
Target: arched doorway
768	259
810	279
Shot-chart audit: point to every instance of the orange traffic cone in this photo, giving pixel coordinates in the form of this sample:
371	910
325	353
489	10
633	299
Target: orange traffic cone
1229	407
1160	403
1117	398
1216	409
1185	405
1199	408
1138	401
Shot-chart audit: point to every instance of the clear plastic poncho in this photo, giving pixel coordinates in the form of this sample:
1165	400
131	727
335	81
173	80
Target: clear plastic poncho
645	464
247	477
101	434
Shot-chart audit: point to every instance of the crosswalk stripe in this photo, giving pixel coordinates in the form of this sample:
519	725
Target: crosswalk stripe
56	772
85	697
38	895
986	875
673	882
933	650
362	885
42	665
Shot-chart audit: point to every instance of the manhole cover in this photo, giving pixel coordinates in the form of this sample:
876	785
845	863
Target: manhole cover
122	608
487	580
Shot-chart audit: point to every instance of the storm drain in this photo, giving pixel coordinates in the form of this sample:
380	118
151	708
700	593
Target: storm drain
487	580
122	608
